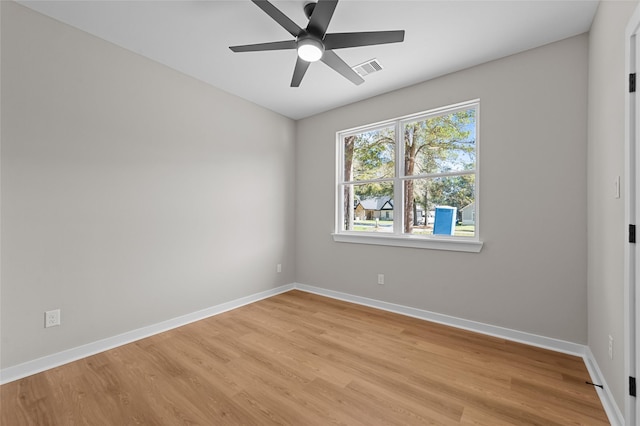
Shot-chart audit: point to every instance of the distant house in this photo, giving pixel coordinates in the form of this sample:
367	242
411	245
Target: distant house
469	214
374	208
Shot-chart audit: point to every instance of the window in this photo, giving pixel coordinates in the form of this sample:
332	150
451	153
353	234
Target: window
411	181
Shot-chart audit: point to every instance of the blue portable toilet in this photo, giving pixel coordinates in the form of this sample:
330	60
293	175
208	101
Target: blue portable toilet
445	220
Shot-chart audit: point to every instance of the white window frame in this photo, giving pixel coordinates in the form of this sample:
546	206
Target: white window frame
397	238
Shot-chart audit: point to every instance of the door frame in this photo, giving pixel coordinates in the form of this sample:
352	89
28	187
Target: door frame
632	198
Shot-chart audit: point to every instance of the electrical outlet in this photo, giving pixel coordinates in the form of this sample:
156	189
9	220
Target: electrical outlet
610	347
52	318
279	267
381	279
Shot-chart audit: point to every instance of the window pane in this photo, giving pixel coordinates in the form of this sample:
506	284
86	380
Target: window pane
440	144
369	155
440	206
369	207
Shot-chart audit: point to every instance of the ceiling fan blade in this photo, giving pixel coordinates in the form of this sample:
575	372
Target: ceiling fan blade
342	40
275	45
299	72
321	16
334	61
279	17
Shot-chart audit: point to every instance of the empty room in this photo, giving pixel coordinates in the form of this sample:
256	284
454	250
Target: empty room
310	213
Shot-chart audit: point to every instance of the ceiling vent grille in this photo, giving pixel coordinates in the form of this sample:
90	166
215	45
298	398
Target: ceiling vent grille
368	67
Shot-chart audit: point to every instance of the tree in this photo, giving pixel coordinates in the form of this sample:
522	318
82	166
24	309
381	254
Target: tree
454	191
367	156
435	145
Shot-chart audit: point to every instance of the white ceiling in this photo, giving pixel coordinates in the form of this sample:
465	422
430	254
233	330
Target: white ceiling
441	37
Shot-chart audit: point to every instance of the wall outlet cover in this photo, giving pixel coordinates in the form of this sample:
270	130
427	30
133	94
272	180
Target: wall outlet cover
52	318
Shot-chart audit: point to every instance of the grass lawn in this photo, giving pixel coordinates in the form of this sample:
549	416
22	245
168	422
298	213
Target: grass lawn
387	227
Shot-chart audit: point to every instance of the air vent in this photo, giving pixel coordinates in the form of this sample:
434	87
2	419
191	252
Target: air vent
368	67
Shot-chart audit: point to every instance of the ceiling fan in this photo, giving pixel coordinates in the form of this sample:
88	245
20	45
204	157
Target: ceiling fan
313	43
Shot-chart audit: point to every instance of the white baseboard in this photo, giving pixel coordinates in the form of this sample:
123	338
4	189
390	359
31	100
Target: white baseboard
55	360
51	361
613	412
606	397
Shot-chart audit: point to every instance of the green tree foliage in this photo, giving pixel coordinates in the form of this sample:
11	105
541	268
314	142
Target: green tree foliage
368	156
374	155
434	145
454	191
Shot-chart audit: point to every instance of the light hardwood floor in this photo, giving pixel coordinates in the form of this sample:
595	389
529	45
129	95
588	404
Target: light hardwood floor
302	359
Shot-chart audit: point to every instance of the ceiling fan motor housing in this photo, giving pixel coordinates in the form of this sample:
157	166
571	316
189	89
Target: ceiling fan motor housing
308	9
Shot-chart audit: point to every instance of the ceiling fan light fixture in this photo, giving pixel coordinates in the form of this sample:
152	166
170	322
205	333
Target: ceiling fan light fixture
310	49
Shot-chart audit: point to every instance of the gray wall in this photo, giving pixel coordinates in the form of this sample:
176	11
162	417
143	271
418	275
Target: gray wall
606	214
532	272
131	193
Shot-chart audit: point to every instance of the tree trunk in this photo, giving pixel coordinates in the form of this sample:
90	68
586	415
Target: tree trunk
348	199
426	204
408	210
410	151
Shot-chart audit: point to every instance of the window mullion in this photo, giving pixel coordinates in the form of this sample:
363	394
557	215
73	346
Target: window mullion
398	191
443	174
365	181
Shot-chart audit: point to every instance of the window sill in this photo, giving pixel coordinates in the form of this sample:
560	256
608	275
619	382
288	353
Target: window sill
464	245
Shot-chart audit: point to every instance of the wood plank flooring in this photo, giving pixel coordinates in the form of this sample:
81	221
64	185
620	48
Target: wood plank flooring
302	359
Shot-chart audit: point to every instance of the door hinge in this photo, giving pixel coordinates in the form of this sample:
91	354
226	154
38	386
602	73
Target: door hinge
632	386
632	83
632	233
